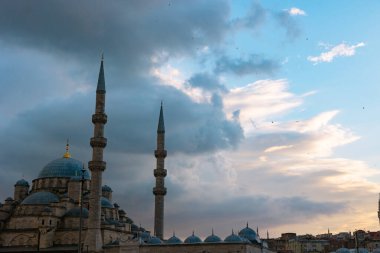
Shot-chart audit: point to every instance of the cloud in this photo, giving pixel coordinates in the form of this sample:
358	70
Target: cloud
286	20
260	101
342	49
206	81
252	64
296	12
254	18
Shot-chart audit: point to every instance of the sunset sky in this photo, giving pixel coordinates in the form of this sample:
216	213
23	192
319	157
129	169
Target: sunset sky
271	107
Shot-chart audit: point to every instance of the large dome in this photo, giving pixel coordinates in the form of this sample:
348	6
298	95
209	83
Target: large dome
64	167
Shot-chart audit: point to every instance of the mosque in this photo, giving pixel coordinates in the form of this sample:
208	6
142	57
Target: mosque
67	209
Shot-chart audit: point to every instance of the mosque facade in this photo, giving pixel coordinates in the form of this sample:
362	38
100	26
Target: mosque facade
67	209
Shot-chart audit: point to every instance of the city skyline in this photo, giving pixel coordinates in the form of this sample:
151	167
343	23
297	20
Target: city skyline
270	107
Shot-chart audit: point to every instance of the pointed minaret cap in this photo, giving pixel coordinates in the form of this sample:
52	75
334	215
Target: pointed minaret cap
101	83
161	124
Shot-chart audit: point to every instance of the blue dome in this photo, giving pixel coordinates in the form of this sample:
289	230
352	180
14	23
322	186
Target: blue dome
342	250
22	182
64	167
174	240
105	202
249	234
212	238
75	212
106	188
154	240
40	198
193	239
233	238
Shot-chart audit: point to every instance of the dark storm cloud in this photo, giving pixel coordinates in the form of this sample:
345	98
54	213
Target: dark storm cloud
206	81
253	64
289	23
128	31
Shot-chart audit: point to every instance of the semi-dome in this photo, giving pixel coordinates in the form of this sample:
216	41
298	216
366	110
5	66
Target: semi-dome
39	198
75	212
64	167
249	234
154	240
233	238
193	239
342	250
22	182
105	202
174	240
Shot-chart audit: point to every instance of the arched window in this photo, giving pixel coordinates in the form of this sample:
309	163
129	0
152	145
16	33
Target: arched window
43	222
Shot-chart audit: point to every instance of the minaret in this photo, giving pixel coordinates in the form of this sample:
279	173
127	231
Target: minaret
97	166
160	173
378	210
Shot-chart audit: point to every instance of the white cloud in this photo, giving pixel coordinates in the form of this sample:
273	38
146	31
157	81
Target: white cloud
296	11
259	101
339	50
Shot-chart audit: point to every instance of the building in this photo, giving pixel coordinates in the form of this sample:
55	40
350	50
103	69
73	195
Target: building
67	210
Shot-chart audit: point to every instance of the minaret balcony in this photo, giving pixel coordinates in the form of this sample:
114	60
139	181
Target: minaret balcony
160	153
99	118
159	190
99	142
160	172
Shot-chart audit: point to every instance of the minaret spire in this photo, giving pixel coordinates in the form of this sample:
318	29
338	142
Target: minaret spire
93	239
160	173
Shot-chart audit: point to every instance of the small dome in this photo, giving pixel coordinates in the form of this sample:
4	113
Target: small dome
342	250
106	203
22	182
193	239
174	240
145	236
40	198
233	238
64	167
249	234
362	250
75	212
212	238
9	199
154	240
106	188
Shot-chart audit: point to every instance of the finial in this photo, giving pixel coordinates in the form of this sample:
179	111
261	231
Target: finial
257	230
102	56
247	224
193	232
67	153
173	233
233	231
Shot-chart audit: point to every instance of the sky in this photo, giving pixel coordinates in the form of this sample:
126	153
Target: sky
270	107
